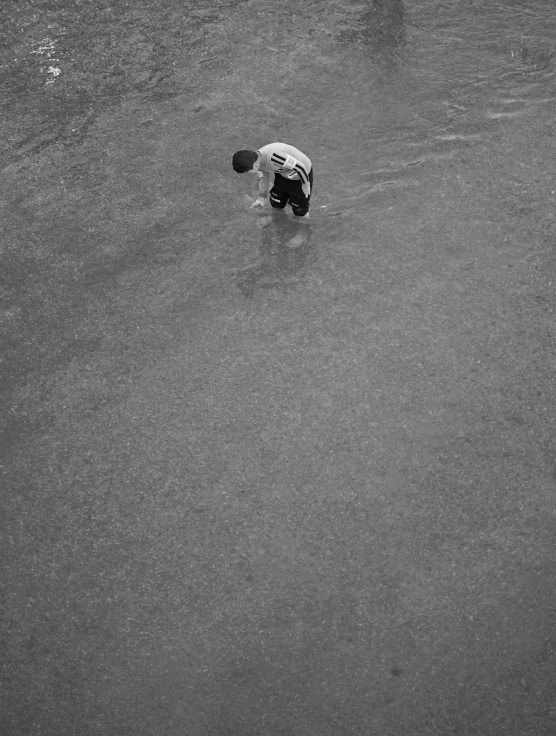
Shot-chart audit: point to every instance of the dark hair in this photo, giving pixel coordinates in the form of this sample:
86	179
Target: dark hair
243	161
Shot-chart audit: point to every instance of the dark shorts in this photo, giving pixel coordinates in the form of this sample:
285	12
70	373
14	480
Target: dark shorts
288	190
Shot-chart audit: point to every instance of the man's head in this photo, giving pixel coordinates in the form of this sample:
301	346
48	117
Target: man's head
245	161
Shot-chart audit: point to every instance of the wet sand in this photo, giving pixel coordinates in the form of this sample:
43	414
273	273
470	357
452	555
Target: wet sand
255	489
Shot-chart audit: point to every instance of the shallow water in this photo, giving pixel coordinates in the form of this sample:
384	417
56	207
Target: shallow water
267	477
375	93
418	72
380	95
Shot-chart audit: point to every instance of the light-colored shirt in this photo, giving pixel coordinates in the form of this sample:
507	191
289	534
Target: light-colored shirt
289	162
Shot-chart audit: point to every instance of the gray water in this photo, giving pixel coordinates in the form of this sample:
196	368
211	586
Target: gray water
262	477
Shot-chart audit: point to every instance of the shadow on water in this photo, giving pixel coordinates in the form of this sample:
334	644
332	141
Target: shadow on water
380	27
285	252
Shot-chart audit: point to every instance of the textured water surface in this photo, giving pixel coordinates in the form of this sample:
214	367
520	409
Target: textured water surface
262	477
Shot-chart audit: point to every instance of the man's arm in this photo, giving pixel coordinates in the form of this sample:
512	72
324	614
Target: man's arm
264	180
305	183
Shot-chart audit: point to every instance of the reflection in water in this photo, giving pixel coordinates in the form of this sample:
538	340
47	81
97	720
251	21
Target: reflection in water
380	26
285	252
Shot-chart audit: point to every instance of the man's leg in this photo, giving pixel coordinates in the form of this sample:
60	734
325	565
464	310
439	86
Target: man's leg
299	202
278	199
300	205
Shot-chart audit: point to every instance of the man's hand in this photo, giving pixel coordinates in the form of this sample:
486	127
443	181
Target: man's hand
258	203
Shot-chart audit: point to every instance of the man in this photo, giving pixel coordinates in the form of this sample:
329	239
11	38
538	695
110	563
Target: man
286	169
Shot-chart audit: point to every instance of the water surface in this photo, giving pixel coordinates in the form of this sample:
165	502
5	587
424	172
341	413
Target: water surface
264	478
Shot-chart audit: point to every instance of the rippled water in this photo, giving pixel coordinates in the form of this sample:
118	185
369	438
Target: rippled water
346	80
372	91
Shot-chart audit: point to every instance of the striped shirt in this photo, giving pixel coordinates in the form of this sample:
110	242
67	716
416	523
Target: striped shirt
289	162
